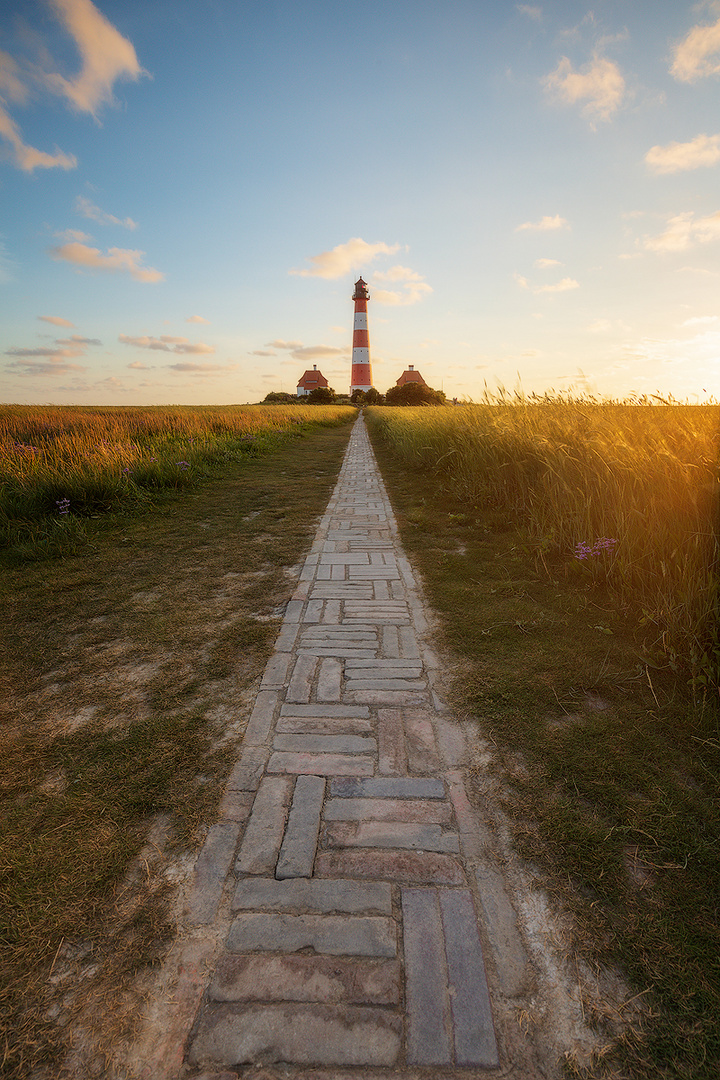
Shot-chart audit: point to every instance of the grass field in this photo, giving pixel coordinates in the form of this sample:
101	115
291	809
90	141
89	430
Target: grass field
126	674
624	494
61	468
592	680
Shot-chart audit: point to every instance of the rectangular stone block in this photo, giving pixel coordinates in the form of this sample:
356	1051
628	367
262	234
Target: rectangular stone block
341	935
390	642
325	744
319	725
390	834
511	960
297	853
426	811
425	979
473	1029
235	805
286	638
261	718
313	611
339	712
408	643
276	671
329	679
397	698
382	787
321	764
392	756
331	980
407	669
211	869
301	680
313	895
297	1033
293	611
356	682
420	742
412	867
247	773
264	832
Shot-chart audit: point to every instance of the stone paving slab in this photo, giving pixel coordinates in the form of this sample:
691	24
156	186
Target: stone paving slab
345	873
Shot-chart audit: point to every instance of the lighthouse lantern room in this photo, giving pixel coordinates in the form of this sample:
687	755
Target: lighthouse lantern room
361	374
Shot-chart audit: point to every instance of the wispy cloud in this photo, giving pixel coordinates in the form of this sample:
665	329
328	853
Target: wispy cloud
545	264
27	157
166	343
68	236
354	255
545	224
599	85
56	320
703	150
198	319
51	360
529	10
685	231
202	369
106	56
565	285
88	209
278	343
412	287
696	56
117	260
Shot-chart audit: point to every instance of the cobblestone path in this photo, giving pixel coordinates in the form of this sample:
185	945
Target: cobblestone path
345	834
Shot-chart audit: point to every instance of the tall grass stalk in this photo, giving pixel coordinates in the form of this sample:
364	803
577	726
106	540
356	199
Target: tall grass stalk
571	472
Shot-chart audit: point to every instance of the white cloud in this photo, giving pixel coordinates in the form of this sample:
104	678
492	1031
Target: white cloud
116	260
47	360
697	320
317	352
684	231
89	210
414	287
545	264
70	235
354	255
106	57
600	85
280	344
562	286
56	320
166	343
545	224
599	326
27	157
703	150
696	55
202	369
198	319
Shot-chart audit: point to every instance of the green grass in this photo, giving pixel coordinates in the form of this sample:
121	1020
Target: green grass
606	769
126	683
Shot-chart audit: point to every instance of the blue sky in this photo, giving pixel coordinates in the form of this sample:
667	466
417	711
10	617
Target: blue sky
189	189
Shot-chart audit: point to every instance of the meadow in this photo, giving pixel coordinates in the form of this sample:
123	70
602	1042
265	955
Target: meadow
62	467
569	551
627	494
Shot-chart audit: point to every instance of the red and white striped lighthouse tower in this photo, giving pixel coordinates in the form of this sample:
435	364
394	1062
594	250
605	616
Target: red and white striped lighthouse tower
361	374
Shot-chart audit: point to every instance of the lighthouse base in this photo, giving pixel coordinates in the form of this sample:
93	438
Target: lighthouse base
360	386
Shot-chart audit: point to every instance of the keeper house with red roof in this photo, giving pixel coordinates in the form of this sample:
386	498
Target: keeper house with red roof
411	375
310	381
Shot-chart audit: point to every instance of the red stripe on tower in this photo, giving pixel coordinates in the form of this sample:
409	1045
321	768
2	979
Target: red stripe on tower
361	374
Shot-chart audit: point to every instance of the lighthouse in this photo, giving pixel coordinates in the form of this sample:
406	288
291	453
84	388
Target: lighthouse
361	374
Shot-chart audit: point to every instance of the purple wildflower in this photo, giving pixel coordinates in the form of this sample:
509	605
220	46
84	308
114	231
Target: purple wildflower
63	506
586	551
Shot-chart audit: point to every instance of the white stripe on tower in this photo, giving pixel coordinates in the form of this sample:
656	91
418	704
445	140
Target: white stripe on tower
361	373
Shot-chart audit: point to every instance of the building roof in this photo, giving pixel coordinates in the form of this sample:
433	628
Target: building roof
312	379
411	375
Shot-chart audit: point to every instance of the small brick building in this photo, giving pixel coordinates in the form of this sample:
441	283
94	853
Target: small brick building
411	375
310	381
